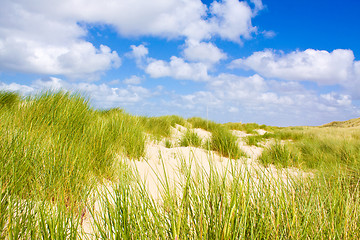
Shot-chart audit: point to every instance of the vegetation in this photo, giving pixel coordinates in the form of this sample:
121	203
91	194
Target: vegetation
349	123
222	140
190	138
319	148
257	138
160	127
233	206
54	144
225	143
279	154
248	127
207	125
56	152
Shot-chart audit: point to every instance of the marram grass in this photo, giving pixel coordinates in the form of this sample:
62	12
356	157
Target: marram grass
55	144
55	150
239	205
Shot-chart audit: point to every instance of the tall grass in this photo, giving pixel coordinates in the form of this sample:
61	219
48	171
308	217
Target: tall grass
248	127
222	140
160	127
21	219
257	138
190	138
54	144
279	154
9	99
318	148
236	205
54	150
225	143
207	125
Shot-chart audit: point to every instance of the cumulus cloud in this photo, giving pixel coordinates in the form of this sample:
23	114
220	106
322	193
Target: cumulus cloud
177	68
227	97
45	36
232	19
36	42
204	52
337	99
254	98
322	67
75	60
139	53
15	87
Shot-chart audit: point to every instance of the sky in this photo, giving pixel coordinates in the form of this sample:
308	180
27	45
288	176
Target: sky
274	62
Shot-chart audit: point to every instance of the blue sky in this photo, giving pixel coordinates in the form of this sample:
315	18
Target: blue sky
272	62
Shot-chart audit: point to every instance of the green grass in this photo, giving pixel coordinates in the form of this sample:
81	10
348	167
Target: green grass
239	205
279	154
225	143
160	127
318	148
55	150
9	99
55	145
254	140
190	138
207	125
248	127
222	140
168	143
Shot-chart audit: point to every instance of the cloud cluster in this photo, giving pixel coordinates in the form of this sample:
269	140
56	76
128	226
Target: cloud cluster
48	36
101	95
32	41
203	52
177	68
227	97
271	102
322	67
199	57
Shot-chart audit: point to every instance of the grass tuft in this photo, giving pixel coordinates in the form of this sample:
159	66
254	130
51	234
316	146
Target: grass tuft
190	138
9	99
225	143
280	155
248	127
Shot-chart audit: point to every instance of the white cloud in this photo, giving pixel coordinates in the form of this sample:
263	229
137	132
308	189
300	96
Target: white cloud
167	18
178	69
75	60
32	41
48	36
232	19
274	102
227	97
337	99
258	5
325	68
14	87
133	80
268	34
102	95
139	53
206	53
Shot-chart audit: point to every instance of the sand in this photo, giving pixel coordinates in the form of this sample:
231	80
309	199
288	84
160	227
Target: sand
161	162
